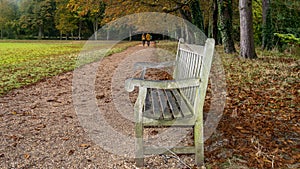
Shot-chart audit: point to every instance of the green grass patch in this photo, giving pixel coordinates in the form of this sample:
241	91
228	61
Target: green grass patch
26	62
170	46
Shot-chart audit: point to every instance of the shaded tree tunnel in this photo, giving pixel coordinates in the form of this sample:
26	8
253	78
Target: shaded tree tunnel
158	37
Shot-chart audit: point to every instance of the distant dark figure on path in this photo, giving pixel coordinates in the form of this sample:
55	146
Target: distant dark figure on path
143	39
148	38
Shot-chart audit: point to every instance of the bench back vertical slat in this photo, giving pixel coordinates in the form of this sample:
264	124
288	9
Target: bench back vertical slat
190	63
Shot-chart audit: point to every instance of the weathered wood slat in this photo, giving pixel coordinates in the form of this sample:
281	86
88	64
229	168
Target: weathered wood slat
155	104
185	111
166	104
165	109
173	104
148	101
165	84
150	109
192	74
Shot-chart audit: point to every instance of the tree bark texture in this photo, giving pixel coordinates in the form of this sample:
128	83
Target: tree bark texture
247	48
196	14
215	22
40	33
225	25
95	24
267	31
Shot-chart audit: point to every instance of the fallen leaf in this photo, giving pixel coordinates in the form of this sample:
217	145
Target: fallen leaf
27	156
85	146
65	139
239	127
244	131
71	152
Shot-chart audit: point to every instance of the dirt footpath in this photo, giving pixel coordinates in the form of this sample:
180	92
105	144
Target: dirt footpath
39	127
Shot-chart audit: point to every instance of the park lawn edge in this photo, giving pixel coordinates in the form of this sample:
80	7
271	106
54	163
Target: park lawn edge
61	64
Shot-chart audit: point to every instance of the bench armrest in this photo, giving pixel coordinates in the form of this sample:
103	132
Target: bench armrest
160	84
145	65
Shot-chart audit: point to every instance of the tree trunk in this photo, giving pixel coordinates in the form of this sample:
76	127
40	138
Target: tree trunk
1	33
247	49
210	20
79	29
107	35
175	34
182	31
130	34
96	28
186	32
40	34
267	31
184	27
225	13
196	14
215	22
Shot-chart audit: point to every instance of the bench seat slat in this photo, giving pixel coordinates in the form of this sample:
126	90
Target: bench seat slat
173	104
165	105
165	109
155	103
148	102
152	106
185	111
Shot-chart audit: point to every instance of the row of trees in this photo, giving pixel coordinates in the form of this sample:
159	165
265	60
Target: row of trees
261	22
49	18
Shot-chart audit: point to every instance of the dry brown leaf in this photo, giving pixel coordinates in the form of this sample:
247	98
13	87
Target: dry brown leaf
239	127
71	152
27	156
65	139
85	146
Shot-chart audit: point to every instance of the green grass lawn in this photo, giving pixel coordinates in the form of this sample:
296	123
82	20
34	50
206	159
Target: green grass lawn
26	62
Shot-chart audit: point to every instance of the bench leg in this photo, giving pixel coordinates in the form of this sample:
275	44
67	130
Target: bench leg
199	144
138	113
139	145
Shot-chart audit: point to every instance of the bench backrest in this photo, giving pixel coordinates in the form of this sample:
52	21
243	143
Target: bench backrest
194	61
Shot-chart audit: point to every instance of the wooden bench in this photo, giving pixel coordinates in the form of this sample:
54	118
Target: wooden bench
176	103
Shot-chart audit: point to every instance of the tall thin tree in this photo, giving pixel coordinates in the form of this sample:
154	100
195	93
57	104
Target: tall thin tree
225	13
247	49
215	21
196	14
267	31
